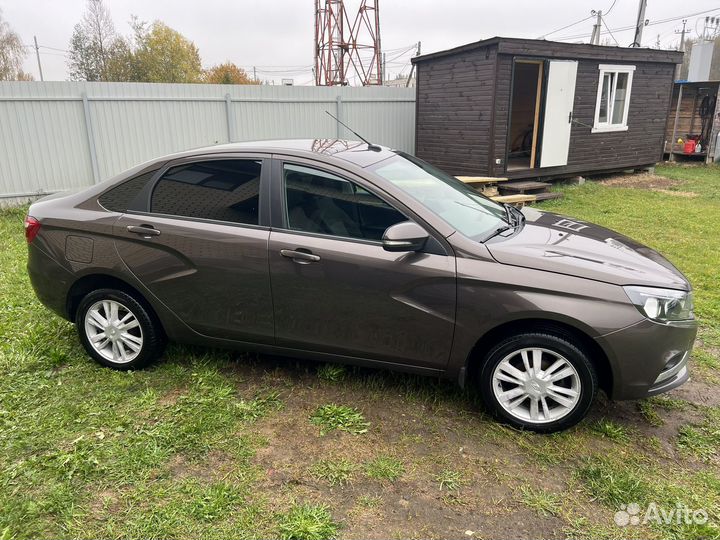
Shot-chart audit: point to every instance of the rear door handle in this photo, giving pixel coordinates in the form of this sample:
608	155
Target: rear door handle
299	256
146	231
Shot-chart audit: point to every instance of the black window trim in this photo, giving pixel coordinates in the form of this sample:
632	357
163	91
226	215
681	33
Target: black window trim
278	210
142	205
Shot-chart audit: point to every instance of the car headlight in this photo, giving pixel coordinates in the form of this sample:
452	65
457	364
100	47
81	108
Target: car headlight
662	304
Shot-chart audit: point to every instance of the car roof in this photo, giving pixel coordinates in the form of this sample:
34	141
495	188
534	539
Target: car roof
355	152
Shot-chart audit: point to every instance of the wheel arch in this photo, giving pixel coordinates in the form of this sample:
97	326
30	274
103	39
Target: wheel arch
562	329
92	282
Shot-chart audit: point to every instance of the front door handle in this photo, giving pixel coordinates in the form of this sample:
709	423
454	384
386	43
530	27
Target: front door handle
299	256
146	231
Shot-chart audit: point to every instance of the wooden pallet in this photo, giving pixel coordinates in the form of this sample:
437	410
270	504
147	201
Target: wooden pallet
481	179
523	198
524	186
519	199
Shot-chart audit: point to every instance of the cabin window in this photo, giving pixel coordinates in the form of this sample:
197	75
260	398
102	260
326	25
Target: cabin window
613	98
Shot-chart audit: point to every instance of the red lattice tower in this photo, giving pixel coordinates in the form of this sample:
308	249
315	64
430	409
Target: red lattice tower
346	46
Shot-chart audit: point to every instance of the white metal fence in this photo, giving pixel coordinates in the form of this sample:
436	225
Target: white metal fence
63	135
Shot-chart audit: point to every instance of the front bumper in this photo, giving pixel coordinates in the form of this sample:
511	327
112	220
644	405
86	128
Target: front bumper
649	358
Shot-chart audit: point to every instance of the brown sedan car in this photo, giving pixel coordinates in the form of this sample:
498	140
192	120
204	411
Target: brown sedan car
349	252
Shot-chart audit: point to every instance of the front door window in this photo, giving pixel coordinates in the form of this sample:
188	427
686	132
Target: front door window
322	203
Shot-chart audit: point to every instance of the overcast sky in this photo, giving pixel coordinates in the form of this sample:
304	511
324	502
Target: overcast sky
277	35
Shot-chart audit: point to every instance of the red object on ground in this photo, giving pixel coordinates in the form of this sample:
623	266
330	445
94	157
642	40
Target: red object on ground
689	147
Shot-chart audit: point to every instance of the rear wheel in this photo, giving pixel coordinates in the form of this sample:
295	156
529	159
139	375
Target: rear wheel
117	330
539	382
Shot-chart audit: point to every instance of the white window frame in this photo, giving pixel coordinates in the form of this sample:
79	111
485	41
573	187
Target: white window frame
604	127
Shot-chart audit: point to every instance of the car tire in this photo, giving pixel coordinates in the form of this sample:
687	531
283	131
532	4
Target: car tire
555	376
118	331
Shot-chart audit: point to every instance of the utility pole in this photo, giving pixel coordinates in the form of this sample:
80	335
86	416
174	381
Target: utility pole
678	67
595	39
639	25
37	53
384	72
254	74
412	67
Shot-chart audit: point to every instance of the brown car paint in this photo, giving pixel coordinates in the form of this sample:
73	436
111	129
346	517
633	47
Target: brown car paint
227	285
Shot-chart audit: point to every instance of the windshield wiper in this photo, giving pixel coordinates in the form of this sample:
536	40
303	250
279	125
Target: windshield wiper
513	223
499	230
508	213
520	217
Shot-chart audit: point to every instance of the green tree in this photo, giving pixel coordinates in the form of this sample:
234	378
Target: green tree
12	53
227	73
162	54
92	43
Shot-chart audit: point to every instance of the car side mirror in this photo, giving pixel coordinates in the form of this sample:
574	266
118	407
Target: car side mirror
404	236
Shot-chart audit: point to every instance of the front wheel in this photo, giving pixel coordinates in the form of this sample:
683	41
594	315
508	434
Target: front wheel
117	330
538	382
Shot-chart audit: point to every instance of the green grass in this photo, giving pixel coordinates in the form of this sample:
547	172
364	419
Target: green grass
341	417
211	444
332	372
540	500
307	522
649	412
617	481
702	440
610	429
450	480
384	468
614	483
337	472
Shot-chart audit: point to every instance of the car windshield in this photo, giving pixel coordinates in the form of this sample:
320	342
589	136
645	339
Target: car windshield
457	203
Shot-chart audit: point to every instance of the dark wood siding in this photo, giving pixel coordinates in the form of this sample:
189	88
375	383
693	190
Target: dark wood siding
642	144
455	111
458	95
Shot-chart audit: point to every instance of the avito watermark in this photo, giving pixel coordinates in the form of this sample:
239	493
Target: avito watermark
680	514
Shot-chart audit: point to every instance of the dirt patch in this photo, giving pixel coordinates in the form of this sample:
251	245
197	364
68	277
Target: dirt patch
687	194
641	181
214	467
429	438
170	398
104	503
698	392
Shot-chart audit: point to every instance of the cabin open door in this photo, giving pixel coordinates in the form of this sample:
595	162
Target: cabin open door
557	121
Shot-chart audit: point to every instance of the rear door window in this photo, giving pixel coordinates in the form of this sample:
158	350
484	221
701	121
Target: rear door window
219	190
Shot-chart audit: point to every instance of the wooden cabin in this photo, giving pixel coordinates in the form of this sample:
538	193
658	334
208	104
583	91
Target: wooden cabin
522	108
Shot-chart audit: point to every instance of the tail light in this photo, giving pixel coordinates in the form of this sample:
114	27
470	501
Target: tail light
32	228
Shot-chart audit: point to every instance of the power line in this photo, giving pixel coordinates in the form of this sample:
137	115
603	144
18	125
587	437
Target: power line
632	27
609	32
606	13
564	27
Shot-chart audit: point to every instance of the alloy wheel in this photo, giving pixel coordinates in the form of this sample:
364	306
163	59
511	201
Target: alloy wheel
113	331
536	385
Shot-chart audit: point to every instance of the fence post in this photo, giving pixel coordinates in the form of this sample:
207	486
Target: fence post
90	138
338	114
229	118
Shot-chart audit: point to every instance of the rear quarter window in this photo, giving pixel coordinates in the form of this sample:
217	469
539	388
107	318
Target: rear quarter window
118	199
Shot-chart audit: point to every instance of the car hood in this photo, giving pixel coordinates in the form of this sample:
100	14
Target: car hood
573	247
